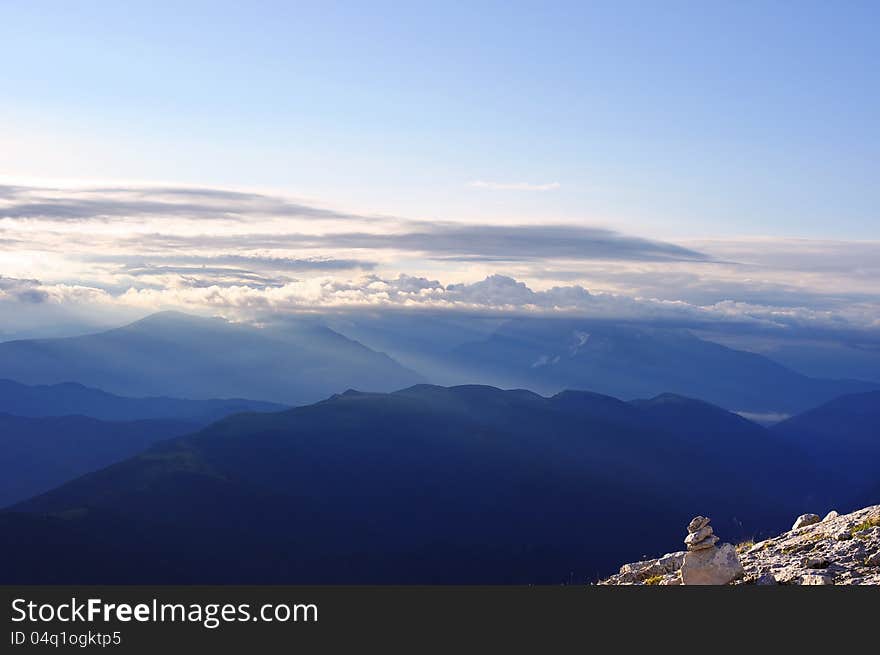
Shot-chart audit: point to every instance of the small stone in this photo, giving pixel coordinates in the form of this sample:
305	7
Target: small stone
831	515
843	535
708	542
873	560
698	522
816	579
699	535
805	520
715	566
815	563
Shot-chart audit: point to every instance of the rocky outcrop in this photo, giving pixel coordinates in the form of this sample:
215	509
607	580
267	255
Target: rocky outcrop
651	571
840	550
837	550
804	520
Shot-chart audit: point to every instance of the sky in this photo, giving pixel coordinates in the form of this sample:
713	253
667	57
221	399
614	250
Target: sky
714	160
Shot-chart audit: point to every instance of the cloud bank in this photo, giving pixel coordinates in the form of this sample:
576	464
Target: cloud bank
247	256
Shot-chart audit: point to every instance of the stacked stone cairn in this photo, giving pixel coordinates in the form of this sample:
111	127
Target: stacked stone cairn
700	534
704	563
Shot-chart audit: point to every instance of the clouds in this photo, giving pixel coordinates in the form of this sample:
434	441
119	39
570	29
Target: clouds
25	291
514	186
248	256
35	292
452	241
183	218
133	204
512	243
224	270
203	265
495	295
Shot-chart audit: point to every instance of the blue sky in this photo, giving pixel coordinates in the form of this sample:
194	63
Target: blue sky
687	161
673	120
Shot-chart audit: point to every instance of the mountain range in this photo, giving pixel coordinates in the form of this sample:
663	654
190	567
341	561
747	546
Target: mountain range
842	437
71	398
428	484
37	454
302	361
622	359
174	354
637	362
129	455
51	434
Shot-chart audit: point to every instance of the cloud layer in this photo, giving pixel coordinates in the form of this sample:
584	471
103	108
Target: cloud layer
249	255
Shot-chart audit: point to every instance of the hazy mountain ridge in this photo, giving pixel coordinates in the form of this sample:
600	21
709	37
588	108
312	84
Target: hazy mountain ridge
428	484
174	354
549	355
72	398
52	434
843	438
302	361
37	454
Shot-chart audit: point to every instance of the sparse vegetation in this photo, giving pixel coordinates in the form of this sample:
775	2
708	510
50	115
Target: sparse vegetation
745	545
654	580
867	524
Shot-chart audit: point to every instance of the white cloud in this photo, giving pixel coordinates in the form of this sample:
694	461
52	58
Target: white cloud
245	255
496	294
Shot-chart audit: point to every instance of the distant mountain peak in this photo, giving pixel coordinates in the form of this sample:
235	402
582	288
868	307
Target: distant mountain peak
175	318
669	398
176	354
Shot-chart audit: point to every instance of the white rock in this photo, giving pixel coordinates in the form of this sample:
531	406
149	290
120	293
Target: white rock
711	566
804	520
831	515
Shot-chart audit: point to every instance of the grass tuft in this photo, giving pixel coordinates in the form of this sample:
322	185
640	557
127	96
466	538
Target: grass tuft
865	525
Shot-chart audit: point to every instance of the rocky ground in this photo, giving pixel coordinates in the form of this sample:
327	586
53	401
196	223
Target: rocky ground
836	550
